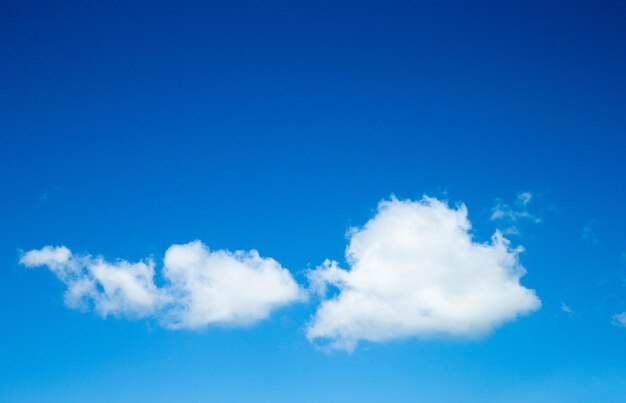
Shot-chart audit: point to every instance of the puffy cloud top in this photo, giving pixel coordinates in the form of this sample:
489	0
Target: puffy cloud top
415	271
221	286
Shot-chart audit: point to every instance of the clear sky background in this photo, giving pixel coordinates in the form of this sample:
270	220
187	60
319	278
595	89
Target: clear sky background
127	127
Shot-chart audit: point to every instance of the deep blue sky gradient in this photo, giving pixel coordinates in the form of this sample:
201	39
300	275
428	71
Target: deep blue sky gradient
128	126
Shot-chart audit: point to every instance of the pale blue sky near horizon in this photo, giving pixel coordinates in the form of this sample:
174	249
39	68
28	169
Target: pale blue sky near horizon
126	127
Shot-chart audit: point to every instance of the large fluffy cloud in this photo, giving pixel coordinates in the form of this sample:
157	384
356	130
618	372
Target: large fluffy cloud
415	270
201	287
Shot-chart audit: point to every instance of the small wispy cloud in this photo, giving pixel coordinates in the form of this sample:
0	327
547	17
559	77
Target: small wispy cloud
619	319
588	235
566	308
513	213
49	194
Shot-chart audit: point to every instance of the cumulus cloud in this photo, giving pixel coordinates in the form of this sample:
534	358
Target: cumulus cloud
201	287
512	214
224	287
415	270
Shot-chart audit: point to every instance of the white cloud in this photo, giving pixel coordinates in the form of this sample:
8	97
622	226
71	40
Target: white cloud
619	319
566	308
512	214
53	257
224	287
416	271
202	287
524	198
119	288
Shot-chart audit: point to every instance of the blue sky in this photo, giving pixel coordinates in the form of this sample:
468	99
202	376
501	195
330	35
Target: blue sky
126	128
